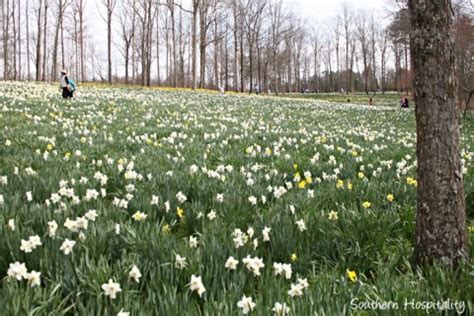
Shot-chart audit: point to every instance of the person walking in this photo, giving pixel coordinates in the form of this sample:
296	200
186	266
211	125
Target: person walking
66	85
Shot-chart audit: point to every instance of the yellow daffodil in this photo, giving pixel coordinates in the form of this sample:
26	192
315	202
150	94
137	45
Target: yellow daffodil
139	216
349	185
166	229
351	275
361	175
390	197
302	184
411	181
49	147
366	204
180	212
340	184
294	257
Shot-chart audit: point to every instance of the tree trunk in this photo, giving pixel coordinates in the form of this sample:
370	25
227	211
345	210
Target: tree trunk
45	40
19	40
81	39
15	43
54	69
63	58
407	86
27	41
241	43
158	50
194	41
236	52
441	217
38	42
5	27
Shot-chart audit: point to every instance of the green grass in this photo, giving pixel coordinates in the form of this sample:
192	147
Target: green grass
230	140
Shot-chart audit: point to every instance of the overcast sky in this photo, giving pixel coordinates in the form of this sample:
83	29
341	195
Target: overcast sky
326	9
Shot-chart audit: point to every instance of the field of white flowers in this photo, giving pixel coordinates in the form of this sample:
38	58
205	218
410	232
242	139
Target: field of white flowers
154	202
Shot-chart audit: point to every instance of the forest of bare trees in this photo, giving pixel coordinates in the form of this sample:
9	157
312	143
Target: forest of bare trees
234	44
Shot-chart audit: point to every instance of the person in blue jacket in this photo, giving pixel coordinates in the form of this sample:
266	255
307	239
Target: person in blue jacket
66	85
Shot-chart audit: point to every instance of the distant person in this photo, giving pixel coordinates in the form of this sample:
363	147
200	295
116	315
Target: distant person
403	102
370	101
256	89
66	85
221	90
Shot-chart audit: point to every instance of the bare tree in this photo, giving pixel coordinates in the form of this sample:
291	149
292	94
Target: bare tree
6	18
363	37
45	39
382	40
81	7
348	34
27	40
127	27
441	215
109	7
39	32
252	20
336	35
19	41
61	8
373	51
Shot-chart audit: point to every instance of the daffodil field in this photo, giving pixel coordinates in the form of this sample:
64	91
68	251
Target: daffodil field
128	201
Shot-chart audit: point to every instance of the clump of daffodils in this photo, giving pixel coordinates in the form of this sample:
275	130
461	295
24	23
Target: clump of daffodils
30	244
253	264
283	269
19	272
280	309
297	289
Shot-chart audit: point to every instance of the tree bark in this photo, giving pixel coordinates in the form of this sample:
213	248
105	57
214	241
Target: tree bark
45	40
441	217
194	42
19	40
27	41
38	42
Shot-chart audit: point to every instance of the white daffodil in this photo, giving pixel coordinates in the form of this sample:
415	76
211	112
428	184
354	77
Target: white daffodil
246	304
111	289
196	285
67	246
135	274
231	263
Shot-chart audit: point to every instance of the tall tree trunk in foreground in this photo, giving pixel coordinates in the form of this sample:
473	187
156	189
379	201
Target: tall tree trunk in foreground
441	217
